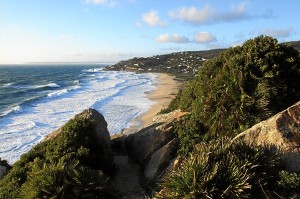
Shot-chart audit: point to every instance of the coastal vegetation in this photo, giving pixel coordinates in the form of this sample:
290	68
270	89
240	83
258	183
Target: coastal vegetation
230	91
241	87
68	166
219	169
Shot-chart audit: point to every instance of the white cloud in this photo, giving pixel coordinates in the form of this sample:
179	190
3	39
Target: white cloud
192	14
204	37
209	15
200	37
175	38
152	19
278	33
98	2
95	1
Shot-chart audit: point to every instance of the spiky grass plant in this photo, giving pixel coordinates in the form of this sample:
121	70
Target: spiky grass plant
221	170
63	180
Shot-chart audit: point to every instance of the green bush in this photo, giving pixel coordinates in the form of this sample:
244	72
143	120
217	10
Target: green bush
44	169
239	88
63	180
219	169
289	183
190	132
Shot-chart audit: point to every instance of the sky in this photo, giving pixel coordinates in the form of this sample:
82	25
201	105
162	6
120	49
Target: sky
107	31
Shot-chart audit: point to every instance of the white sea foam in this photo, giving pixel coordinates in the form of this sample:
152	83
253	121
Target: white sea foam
7	85
57	93
93	70
13	109
63	91
52	85
119	96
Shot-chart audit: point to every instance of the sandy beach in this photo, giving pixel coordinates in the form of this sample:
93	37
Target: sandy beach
165	91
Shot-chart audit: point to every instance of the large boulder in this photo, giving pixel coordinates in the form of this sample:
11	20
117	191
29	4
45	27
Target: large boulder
160	160
90	114
100	127
101	132
282	132
2	171
142	144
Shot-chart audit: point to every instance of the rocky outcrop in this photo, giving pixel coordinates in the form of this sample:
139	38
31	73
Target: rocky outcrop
144	143
155	146
100	124
169	117
2	171
102	135
160	160
282	132
90	114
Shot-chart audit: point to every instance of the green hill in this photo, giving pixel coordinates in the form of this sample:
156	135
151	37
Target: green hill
181	64
295	44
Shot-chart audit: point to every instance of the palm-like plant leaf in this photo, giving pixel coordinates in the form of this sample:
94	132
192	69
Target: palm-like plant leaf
220	170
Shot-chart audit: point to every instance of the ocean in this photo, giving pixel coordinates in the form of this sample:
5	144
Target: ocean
37	99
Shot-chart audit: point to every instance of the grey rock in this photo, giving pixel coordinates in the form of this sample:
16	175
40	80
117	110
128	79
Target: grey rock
142	144
282	132
2	171
160	160
102	135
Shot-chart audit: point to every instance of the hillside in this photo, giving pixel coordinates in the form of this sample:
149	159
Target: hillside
239	88
181	64
295	44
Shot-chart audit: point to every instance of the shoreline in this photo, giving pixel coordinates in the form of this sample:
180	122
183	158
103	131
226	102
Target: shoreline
166	89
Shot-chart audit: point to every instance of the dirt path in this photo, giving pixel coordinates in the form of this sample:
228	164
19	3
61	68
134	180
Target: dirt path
126	184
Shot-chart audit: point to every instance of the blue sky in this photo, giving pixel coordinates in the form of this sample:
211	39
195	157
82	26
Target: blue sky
114	30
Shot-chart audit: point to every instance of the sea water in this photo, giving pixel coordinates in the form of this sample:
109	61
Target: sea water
37	99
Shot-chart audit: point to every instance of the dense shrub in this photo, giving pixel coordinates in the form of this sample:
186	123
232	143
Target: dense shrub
219	169
46	169
289	183
241	87
63	180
